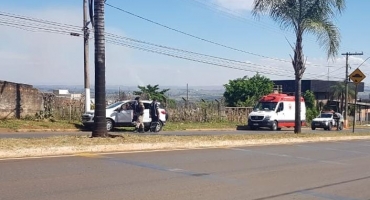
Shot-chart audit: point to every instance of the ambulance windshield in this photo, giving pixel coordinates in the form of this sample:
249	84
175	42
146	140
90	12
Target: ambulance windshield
265	106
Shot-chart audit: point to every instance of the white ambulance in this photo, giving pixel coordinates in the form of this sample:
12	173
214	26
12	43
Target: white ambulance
275	111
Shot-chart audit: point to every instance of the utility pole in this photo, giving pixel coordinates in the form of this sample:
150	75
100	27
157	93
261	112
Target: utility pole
86	57
100	122
187	96
345	116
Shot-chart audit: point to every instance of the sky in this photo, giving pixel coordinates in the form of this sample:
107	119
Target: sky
180	29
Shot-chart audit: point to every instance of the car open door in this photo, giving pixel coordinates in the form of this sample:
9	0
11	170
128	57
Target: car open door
125	114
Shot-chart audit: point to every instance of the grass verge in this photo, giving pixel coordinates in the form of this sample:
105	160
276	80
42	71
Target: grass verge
14	125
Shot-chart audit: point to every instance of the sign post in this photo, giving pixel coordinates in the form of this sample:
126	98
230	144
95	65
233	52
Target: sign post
356	76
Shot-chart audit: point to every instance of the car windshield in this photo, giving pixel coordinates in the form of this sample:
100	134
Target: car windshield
325	115
267	106
114	105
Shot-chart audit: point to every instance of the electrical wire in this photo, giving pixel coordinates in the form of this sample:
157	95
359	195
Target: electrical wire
54	27
199	38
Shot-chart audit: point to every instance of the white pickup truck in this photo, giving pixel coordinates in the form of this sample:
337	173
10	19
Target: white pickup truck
120	114
328	120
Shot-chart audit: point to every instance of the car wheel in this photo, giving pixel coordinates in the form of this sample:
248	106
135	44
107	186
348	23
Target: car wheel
313	128
110	124
274	126
329	127
146	128
159	127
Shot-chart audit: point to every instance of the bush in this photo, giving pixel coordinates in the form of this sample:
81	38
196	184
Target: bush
311	114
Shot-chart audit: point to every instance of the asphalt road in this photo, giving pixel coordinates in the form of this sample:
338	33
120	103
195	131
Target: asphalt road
190	132
311	171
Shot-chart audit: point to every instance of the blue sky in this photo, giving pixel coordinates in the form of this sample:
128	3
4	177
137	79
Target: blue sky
47	58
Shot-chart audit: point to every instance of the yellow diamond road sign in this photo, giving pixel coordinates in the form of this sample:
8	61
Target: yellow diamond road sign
357	76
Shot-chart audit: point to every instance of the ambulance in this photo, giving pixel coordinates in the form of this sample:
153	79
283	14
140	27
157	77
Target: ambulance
275	111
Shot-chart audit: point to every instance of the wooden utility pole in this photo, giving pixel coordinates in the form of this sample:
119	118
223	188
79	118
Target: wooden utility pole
86	57
100	123
345	116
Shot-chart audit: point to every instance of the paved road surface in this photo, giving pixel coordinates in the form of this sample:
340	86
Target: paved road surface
311	171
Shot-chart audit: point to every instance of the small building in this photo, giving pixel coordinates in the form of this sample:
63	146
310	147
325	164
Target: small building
65	93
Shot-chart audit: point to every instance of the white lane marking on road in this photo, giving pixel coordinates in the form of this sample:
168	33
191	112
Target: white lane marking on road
289	156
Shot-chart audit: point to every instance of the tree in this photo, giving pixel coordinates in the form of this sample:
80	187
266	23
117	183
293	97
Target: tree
338	93
304	16
311	108
246	91
152	92
100	123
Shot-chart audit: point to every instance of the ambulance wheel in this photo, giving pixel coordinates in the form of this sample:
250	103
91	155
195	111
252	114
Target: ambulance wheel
274	126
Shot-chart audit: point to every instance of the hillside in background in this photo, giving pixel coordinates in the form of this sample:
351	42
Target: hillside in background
193	93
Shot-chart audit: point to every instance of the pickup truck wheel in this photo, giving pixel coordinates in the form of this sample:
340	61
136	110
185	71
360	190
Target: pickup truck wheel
110	124
274	126
313	128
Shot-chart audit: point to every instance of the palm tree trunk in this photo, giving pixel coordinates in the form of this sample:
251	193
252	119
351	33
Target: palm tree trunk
299	69
100	123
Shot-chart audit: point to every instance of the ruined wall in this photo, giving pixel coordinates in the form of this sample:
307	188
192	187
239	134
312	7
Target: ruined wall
19	100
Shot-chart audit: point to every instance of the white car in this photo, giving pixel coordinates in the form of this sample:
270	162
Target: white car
328	120
120	114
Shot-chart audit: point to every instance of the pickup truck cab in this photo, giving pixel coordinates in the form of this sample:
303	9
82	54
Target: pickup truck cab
120	114
328	120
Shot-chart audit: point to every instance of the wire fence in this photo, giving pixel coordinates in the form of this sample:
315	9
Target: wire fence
62	108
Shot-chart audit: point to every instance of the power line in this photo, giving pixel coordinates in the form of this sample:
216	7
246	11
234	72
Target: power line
193	36
197	37
54	27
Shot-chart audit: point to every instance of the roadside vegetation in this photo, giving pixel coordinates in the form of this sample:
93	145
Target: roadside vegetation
60	125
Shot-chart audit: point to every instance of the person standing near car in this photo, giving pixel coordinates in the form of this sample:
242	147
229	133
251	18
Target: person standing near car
154	111
134	109
139	110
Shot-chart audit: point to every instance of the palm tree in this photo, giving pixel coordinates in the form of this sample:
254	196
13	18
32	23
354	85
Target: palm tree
304	16
338	93
100	123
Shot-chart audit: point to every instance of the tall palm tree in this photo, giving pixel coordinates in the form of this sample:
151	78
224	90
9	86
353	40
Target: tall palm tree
304	16
100	123
338	93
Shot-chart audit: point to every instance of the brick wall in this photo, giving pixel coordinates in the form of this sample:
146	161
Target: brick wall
19	100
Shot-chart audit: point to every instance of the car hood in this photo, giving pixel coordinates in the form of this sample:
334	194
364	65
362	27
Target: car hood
321	119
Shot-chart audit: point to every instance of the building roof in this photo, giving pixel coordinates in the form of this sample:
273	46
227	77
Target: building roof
288	86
